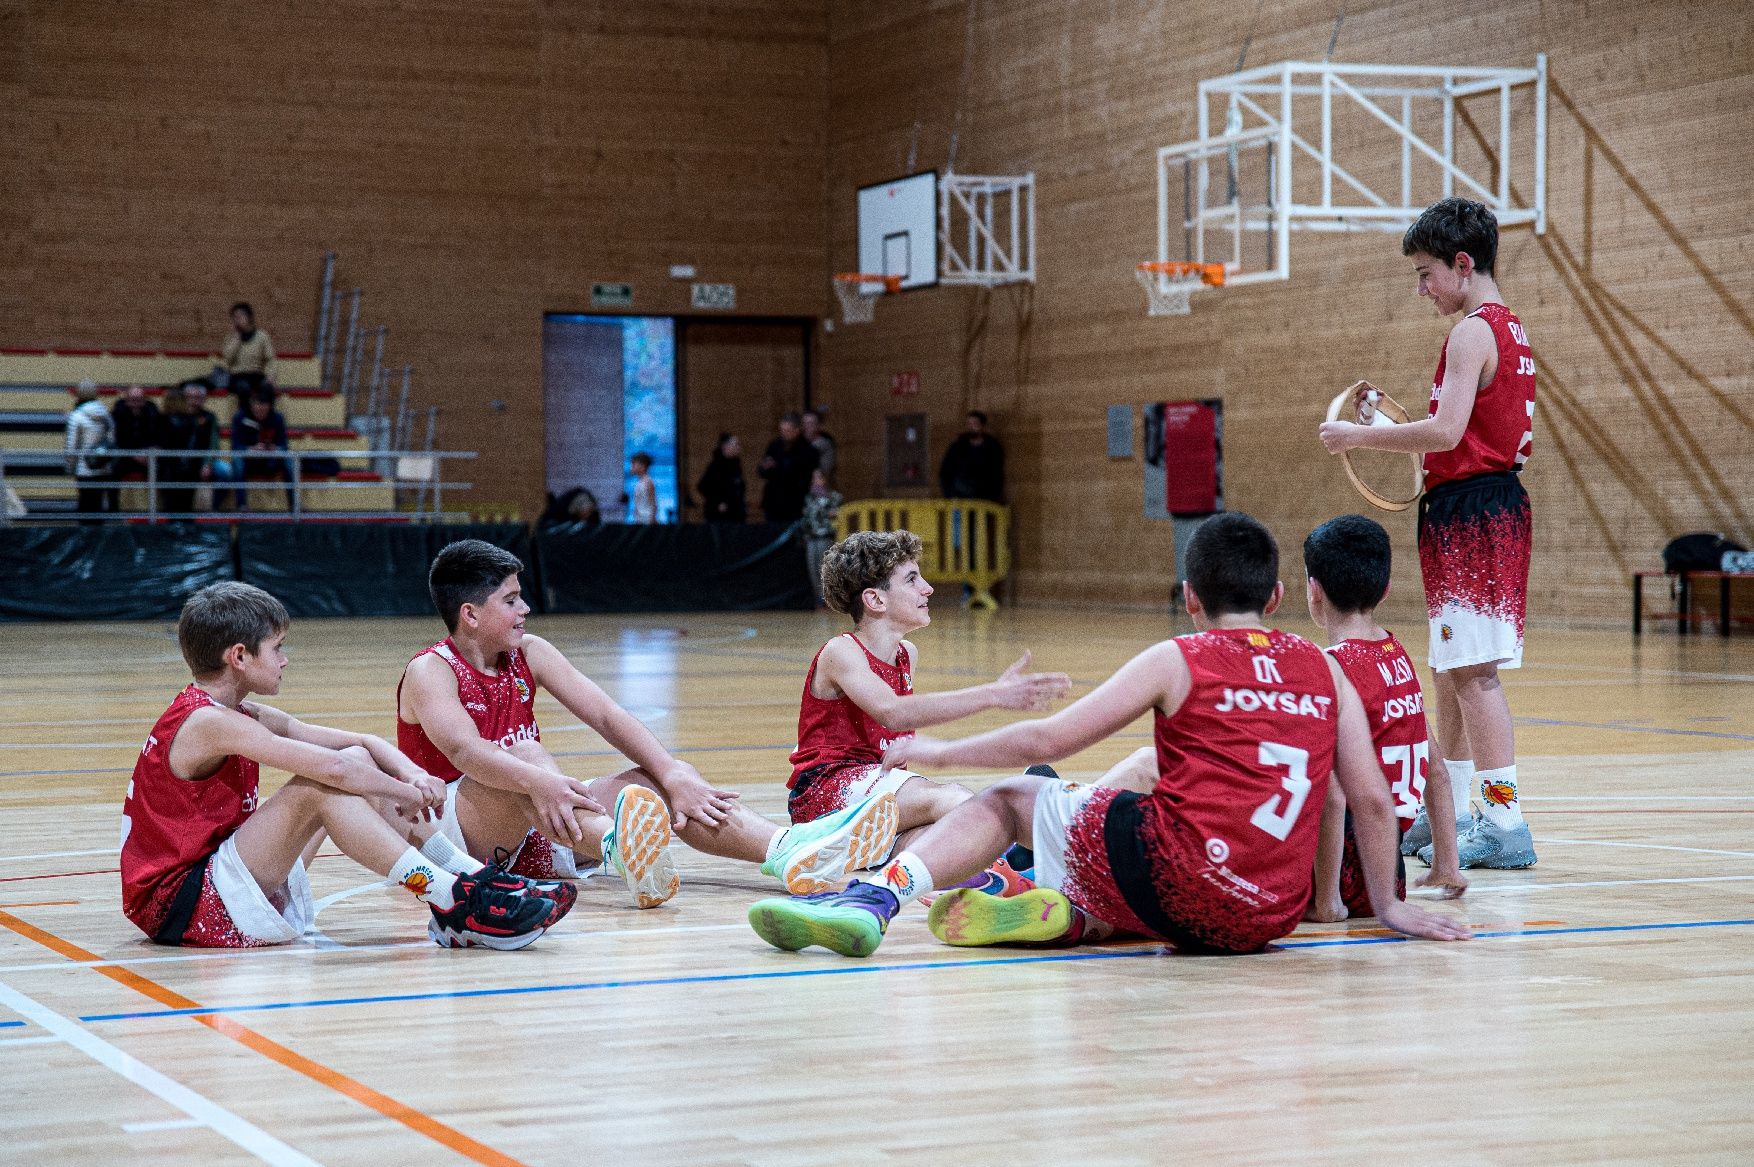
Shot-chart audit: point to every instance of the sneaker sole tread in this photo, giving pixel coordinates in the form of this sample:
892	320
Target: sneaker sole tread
786	927
868	837
968	918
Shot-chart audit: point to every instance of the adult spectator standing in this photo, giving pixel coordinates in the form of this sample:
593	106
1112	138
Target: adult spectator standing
823	441
248	357
91	432
260	428
186	424
137	428
974	465
721	487
786	467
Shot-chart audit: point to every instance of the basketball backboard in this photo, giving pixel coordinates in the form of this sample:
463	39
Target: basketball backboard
898	229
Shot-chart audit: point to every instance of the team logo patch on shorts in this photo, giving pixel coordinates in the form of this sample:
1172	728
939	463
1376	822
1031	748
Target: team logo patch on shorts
1445	633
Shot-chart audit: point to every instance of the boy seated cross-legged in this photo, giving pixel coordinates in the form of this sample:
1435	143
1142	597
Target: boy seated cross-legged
207	863
1250	722
859	697
466	710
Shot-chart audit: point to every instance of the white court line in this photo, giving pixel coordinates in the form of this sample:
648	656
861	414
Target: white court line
168	1124
1520	887
42	1039
1635	797
203	1110
1645	846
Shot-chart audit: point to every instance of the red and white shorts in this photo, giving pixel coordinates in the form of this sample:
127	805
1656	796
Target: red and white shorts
828	789
535	858
218	904
1474	542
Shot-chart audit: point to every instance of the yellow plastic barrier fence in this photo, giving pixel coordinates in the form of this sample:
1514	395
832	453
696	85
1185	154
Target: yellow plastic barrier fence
967	540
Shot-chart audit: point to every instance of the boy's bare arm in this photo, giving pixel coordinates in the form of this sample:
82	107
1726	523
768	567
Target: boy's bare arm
1446	865
1156	678
212	733
390	760
1327	906
843	664
690	796
1373	822
1471	345
431	690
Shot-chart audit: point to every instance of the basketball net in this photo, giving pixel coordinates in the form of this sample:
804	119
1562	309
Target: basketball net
1169	287
858	295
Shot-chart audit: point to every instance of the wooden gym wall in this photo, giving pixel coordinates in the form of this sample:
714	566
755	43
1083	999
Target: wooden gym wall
1636	300
474	164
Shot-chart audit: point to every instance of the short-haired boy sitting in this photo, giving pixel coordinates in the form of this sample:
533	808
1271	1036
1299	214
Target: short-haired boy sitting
1347	560
207	863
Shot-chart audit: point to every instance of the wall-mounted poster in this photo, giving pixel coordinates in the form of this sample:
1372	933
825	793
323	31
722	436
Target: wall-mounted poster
1184	458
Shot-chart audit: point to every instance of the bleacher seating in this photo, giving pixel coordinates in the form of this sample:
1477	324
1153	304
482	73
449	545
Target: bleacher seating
36	393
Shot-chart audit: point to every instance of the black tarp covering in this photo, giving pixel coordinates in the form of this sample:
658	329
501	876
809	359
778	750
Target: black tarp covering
116	572
694	568
360	569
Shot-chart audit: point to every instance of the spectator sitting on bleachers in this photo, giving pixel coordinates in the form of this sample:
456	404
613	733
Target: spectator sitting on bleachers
91	432
186	424
137	428
577	505
249	359
260	428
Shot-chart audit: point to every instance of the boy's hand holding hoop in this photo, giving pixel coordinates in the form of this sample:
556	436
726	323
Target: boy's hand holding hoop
1368	407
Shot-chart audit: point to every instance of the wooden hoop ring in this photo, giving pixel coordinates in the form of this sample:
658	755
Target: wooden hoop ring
1396	413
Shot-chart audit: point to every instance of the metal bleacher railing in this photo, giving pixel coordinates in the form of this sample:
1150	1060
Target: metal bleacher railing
965	540
419	471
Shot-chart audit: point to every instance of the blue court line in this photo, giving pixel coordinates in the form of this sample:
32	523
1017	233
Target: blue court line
847	970
13	1024
1734	737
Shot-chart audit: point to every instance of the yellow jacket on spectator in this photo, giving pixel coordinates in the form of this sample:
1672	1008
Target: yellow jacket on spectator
255	355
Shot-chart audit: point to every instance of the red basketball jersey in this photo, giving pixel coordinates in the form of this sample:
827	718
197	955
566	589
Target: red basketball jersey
1244	764
502	705
1502	426
838	732
169	824
1383	674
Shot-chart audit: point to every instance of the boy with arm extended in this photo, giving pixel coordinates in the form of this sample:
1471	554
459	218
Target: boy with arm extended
1347	560
858	693
1249	724
466	709
1475	527
206	863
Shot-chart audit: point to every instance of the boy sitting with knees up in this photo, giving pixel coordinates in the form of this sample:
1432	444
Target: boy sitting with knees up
206	862
859	695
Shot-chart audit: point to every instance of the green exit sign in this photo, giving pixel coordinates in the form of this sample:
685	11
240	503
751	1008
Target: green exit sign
611	295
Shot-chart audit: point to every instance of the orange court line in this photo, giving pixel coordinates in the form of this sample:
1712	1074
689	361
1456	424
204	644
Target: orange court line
60	874
42	904
358	1091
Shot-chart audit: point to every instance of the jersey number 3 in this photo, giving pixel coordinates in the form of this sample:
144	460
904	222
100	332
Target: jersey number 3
1268	816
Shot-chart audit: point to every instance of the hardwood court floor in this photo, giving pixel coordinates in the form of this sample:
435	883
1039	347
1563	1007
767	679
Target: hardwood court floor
1603	1014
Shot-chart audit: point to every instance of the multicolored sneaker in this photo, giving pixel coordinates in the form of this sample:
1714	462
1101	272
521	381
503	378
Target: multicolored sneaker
489	916
850	922
968	918
637	847
498	874
817	855
1001	879
1486	845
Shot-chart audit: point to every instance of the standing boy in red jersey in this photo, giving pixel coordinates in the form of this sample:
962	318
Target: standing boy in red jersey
859	695
1474	521
1249	723
1348	561
206	864
466	710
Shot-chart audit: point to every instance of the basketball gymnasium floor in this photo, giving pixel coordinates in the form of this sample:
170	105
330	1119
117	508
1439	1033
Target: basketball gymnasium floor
1602	1014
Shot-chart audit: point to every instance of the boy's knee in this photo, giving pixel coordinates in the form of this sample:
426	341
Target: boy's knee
534	753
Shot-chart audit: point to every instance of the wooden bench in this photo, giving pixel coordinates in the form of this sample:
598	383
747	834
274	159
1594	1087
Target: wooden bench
1683	617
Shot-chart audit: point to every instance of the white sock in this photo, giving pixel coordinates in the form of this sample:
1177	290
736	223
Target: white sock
1461	786
450	856
906	878
778	843
1498	797
428	881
